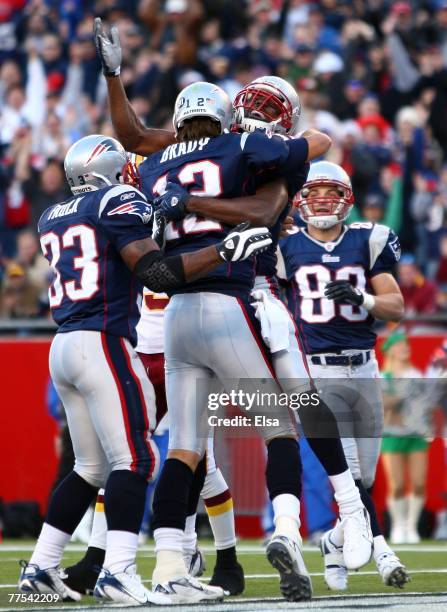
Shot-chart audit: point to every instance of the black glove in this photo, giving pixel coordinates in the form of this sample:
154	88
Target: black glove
244	241
342	292
158	229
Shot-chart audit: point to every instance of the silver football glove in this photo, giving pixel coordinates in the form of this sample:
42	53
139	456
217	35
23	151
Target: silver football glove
243	242
108	48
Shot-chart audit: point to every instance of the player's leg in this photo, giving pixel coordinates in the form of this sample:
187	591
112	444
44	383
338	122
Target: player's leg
318	422
121	404
187	387
228	573
193	557
82	576
369	428
75	493
242	364
353	531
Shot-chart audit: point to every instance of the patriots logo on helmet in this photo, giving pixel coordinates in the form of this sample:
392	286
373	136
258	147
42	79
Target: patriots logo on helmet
144	211
100	148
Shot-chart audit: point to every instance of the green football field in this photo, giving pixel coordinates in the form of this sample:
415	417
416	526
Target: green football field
426	562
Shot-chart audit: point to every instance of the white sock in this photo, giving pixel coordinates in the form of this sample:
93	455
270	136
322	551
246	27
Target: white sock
121	550
397	507
219	507
49	547
168	538
190	535
337	536
380	547
169	566
414	509
286	515
98	537
347	494
169	549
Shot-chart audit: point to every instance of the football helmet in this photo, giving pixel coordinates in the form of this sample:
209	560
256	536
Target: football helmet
96	161
325	211
203	99
268	102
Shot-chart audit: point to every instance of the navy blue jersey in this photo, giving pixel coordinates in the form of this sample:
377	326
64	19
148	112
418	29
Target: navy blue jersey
362	251
266	261
81	238
216	167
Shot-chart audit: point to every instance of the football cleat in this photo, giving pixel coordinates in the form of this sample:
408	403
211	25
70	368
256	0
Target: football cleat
230	578
358	539
195	563
188	590
35	580
126	588
284	554
392	571
335	570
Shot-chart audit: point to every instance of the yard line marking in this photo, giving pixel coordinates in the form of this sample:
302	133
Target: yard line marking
241	549
437	570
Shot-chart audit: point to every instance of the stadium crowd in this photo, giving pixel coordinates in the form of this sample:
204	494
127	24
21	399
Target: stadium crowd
372	74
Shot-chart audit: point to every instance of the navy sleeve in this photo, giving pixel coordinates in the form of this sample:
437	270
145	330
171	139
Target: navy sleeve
125	215
388	256
261	151
298	152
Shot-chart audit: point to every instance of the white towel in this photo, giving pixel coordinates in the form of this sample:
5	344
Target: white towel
275	321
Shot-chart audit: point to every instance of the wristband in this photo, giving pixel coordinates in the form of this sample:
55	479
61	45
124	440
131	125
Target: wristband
369	301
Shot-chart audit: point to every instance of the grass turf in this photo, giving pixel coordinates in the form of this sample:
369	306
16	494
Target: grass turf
255	563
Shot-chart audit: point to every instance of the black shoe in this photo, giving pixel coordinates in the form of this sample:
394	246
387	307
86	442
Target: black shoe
83	575
230	578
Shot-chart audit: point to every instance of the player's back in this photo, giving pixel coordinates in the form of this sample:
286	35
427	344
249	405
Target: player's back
92	287
215	167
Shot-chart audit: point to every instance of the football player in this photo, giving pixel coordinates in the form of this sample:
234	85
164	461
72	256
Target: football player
101	252
339	282
222	337
228	573
271	104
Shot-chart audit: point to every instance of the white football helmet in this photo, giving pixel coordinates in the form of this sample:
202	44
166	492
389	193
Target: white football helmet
203	99
268	102
96	161
325	211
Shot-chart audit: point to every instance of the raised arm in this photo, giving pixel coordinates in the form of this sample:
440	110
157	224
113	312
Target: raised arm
132	133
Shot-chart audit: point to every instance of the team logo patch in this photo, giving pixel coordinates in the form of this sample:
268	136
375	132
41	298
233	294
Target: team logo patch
144	211
395	247
100	148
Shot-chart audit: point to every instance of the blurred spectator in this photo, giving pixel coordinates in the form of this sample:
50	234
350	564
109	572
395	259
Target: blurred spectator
408	403
18	296
45	188
30	258
419	293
